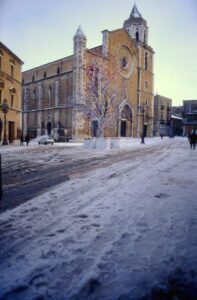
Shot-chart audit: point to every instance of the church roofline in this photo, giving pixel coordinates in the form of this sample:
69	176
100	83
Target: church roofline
55	61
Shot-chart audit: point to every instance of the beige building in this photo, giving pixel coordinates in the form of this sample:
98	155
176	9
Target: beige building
10	92
162	115
105	90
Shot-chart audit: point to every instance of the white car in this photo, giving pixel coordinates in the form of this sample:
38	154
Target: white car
45	140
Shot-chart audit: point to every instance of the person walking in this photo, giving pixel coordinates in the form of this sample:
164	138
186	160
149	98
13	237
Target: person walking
192	140
27	139
21	140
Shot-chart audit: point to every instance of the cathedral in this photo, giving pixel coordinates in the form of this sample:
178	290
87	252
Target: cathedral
103	91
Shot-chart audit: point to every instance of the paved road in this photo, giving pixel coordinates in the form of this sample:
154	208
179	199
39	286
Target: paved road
28	172
109	233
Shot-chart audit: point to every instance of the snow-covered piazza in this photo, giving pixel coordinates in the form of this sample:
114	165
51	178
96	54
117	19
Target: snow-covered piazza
102	225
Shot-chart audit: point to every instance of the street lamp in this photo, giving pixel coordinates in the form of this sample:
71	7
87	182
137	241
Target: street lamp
5	109
142	110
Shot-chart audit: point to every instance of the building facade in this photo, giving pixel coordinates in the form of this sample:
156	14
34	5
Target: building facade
10	93
162	115
107	90
189	116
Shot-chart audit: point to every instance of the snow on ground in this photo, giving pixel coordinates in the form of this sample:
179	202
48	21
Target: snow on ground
113	234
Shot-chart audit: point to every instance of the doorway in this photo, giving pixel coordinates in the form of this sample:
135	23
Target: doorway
11	131
145	130
49	127
123	128
1	127
126	121
94	128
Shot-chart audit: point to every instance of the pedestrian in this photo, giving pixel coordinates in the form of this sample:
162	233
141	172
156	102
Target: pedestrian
21	140
161	135
192	140
27	139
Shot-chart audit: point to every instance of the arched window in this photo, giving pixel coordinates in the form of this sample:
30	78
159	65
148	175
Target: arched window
137	36
146	61
12	100
96	81
49	93
144	37
34	94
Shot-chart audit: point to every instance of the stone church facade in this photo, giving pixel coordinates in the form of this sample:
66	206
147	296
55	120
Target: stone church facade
109	87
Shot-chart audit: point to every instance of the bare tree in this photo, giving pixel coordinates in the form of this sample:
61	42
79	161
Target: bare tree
101	93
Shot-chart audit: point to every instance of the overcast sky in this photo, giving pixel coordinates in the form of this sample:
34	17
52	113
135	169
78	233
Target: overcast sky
41	31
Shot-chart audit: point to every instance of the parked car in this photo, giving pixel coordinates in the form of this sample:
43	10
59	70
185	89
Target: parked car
45	140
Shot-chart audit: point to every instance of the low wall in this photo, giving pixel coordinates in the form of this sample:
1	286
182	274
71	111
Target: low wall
102	143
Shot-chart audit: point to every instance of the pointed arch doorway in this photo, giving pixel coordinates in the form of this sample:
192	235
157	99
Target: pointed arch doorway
49	125
126	121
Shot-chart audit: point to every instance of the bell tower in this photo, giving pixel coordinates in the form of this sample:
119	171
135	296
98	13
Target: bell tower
136	26
79	64
137	29
79	77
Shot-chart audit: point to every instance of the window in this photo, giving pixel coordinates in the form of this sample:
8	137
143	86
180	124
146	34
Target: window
33	78
34	94
0	62
12	100
1	96
146	61
49	93
58	70
124	63
144	37
146	85
45	75
137	36
12	70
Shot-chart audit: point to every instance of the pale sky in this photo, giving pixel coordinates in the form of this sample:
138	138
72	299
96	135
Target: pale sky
41	31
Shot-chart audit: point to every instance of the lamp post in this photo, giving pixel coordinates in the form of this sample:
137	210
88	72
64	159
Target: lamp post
142	110
5	109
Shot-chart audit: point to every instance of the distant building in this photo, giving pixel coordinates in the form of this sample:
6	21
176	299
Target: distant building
10	90
190	115
177	111
57	99
176	126
162	115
